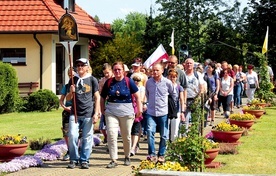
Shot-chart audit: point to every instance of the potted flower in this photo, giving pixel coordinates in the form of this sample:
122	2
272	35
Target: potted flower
242	120
12	146
225	132
211	149
258	102
253	109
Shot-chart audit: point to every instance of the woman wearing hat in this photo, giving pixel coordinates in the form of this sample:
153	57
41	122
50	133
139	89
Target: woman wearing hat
252	83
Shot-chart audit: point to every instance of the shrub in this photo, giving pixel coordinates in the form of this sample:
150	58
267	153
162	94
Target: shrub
41	100
9	88
38	144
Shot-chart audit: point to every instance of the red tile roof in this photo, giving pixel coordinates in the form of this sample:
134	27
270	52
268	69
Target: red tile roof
42	16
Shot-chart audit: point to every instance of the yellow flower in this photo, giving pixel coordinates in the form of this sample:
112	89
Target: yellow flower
223	126
240	116
13	139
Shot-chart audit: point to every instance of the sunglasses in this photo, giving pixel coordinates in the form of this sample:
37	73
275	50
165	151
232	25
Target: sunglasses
171	62
137	80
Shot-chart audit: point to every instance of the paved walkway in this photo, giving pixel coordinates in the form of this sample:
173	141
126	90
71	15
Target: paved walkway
99	160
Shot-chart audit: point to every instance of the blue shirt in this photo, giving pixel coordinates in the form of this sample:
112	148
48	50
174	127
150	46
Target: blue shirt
157	96
64	91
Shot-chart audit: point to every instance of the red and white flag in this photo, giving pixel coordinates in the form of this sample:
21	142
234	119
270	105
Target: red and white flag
159	54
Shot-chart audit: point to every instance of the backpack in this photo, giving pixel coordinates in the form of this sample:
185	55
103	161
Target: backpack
172	107
133	99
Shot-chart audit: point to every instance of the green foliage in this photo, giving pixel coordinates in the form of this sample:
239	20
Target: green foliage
123	47
189	150
8	88
41	100
265	90
38	144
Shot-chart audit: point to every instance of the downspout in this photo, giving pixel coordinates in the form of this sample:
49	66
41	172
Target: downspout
40	58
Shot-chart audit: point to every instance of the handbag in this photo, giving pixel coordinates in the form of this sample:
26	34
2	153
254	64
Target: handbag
252	86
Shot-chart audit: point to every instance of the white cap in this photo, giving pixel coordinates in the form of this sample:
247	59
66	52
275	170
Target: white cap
83	60
137	64
125	67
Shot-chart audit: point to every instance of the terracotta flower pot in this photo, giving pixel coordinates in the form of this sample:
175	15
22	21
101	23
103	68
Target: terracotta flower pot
242	123
256	113
212	154
8	152
261	104
227	136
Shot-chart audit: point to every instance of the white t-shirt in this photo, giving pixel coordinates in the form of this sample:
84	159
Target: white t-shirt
252	78
226	84
193	84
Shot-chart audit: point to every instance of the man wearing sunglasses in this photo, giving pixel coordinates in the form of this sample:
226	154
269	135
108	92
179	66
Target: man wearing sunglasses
85	89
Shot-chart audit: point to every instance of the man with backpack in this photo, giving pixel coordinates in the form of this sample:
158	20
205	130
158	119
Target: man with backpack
195	86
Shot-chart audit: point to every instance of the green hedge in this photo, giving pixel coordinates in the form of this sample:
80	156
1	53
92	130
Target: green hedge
9	97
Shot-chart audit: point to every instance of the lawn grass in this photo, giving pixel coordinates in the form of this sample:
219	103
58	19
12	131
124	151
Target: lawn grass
257	151
34	125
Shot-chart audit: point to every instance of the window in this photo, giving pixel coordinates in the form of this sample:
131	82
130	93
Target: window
15	56
70	4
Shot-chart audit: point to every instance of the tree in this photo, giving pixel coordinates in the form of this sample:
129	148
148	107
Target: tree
126	45
260	15
123	48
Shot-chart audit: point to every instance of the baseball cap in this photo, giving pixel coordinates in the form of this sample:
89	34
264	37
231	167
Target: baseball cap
82	60
137	64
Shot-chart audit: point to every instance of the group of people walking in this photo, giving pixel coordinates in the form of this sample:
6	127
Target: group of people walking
136	103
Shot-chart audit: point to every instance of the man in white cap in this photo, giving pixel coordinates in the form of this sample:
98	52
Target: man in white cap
85	89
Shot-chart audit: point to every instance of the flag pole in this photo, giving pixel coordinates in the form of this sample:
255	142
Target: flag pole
72	80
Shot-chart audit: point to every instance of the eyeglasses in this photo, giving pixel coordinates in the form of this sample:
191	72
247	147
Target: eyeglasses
117	70
80	65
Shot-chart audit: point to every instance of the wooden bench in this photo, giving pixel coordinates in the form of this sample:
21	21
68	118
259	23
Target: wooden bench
27	88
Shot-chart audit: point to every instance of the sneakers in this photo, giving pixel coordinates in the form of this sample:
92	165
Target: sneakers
112	164
137	148
72	165
127	161
84	165
66	157
211	123
132	152
161	159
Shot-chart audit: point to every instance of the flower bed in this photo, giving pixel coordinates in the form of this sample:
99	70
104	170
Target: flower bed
48	153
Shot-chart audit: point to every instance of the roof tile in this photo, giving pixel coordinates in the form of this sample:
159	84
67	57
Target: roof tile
26	16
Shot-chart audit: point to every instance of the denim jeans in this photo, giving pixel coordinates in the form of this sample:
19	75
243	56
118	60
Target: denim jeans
86	125
237	94
153	123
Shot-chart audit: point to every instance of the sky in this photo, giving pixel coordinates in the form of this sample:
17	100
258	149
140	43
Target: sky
109	10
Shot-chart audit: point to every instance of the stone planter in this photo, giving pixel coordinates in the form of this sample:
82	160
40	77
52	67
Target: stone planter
212	154
8	152
256	113
227	136
242	123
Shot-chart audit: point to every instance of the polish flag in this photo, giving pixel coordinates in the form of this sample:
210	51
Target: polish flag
159	54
